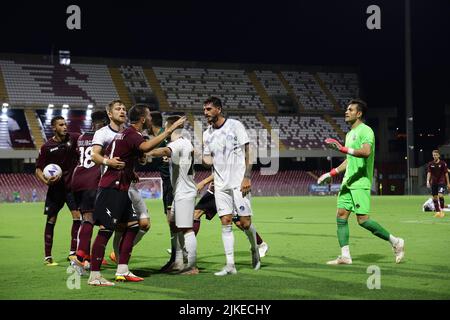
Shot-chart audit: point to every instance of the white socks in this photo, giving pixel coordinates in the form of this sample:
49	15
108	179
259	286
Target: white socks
345	251
179	245
393	240
228	243
122	269
251	234
190	242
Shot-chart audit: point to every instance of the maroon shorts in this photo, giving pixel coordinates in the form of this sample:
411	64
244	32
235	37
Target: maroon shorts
113	207
56	197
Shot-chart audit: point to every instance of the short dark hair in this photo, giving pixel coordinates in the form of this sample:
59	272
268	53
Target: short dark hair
360	105
99	116
172	119
137	112
112	103
156	118
56	118
216	102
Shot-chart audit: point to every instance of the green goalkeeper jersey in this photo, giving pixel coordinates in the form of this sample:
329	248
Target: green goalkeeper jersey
359	172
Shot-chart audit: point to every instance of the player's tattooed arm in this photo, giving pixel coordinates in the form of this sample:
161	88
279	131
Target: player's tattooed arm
148	145
246	182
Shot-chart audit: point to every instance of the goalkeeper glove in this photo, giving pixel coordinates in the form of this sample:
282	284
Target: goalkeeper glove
326	176
335	145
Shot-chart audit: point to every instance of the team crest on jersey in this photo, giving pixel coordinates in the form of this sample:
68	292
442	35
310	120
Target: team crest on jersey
354	137
242	208
69	143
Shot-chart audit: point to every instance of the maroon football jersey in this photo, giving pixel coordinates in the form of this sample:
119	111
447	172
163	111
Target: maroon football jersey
86	175
438	171
125	146
62	153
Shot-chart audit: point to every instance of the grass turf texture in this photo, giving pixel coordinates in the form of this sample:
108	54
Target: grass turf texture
301	233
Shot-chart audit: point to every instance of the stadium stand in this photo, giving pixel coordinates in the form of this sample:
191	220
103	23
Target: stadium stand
343	86
187	88
42	84
136	83
308	91
307	132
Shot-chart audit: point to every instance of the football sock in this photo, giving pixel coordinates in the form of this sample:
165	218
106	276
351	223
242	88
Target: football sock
173	244
441	203
196	226
98	248
376	229
191	246
228	243
345	251
393	240
48	238
343	232
74	241
259	240
179	247
84	239
251	235
139	236
437	207
116	243
126	245
122	268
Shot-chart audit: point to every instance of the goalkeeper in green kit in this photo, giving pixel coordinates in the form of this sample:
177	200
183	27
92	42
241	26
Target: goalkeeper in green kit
354	195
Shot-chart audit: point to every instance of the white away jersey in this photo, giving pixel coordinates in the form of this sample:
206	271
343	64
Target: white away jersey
227	147
182	168
103	138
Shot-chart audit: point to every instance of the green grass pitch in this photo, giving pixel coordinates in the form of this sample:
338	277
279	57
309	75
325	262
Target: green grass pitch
301	233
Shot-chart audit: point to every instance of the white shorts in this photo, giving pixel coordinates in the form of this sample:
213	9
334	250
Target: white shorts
232	202
182	212
138	203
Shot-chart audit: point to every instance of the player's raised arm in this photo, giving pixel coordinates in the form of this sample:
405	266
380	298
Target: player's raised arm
333	172
160	152
155	141
363	152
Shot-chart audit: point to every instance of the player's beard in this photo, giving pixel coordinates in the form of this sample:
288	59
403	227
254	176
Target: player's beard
212	119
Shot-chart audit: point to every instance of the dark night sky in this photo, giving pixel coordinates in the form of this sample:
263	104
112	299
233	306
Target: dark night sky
294	32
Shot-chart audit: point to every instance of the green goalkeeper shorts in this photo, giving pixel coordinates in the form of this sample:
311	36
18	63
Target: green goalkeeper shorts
354	200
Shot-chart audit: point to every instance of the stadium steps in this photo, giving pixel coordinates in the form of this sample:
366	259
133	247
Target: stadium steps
35	128
266	100
291	92
157	89
3	92
335	126
268	127
120	86
327	92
